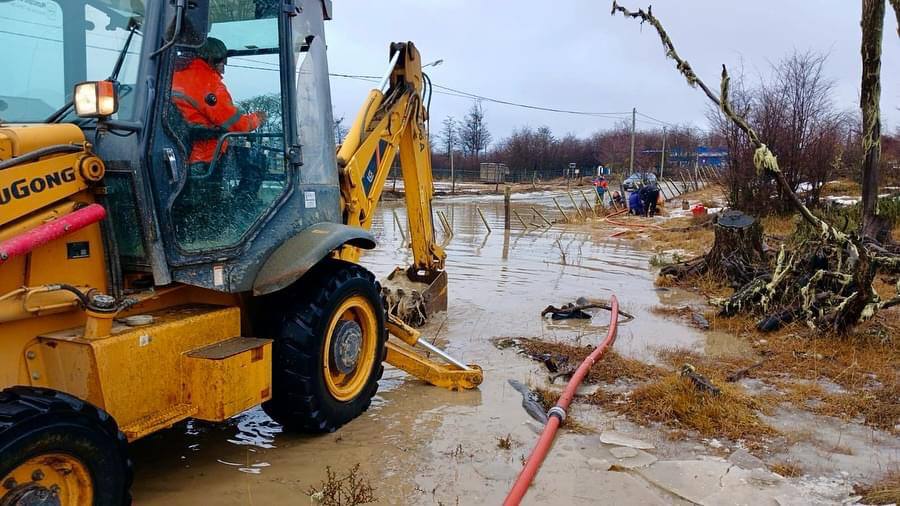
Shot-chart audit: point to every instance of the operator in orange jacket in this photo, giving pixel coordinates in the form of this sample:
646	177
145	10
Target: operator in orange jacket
204	101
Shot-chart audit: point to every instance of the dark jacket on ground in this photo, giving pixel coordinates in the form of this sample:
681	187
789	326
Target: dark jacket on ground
635	206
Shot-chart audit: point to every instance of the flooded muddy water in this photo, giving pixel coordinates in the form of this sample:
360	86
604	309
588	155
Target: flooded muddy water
420	444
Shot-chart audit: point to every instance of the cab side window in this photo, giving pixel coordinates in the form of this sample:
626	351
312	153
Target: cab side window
224	113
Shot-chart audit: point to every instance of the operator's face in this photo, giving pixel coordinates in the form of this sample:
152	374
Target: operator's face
220	68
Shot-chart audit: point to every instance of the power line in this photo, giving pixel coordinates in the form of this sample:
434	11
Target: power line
529	106
465	94
656	120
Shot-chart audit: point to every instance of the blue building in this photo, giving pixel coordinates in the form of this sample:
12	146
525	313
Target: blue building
704	155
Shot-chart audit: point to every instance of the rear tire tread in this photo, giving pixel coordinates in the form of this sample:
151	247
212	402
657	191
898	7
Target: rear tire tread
20	405
296	406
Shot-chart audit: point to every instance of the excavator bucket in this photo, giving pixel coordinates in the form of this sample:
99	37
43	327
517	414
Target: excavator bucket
415	297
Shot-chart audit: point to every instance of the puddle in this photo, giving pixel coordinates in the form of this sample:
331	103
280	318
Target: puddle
425	445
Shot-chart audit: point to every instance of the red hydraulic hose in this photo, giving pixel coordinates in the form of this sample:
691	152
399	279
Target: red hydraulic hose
558	413
52	230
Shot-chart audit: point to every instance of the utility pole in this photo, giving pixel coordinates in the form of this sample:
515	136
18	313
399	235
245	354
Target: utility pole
452	176
662	155
631	160
450	136
697	170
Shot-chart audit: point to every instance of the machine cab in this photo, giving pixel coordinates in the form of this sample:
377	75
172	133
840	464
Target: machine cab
240	154
209	168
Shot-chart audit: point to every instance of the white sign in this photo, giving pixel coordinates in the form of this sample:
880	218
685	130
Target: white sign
309	200
218	275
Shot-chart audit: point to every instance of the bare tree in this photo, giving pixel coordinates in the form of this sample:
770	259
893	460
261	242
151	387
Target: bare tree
448	135
340	130
746	189
473	134
269	103
795	113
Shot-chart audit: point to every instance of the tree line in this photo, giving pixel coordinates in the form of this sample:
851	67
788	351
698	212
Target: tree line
537	152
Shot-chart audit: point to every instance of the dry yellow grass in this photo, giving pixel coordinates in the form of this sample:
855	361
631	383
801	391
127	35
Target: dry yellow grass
715	368
608	369
885	491
842	187
711	194
693	235
786	469
779	225
548	399
673	400
798	359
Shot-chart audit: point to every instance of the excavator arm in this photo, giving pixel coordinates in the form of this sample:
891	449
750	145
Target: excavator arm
393	120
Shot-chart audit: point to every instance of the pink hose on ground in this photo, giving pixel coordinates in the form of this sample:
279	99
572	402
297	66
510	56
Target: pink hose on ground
52	230
558	413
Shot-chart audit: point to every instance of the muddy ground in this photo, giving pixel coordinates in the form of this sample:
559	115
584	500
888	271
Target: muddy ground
423	445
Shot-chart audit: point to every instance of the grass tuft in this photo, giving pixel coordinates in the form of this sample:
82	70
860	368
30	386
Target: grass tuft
786	469
885	491
675	401
609	369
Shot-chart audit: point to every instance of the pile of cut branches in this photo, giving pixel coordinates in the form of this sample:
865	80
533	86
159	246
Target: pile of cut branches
826	280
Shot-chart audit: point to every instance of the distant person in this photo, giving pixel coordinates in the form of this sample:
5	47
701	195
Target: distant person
635	205
602	186
649	195
618	199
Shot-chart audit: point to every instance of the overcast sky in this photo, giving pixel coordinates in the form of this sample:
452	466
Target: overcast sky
571	54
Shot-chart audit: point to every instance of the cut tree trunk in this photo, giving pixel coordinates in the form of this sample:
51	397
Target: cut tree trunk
738	252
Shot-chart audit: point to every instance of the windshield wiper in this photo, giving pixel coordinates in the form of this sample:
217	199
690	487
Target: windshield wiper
133	25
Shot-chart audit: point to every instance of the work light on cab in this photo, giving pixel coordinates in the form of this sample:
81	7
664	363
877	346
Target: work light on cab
96	99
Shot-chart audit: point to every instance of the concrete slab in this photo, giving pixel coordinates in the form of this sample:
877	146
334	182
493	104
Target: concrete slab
631	458
744	459
718	482
611	437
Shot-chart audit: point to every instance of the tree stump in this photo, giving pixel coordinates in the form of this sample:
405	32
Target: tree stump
737	253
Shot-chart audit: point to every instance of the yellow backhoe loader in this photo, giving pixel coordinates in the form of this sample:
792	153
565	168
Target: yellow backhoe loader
140	284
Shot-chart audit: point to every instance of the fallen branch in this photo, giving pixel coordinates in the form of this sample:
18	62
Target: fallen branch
743	373
571	308
699	381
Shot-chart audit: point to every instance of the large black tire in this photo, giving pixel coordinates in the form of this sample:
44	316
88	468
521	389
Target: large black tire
301	399
38	421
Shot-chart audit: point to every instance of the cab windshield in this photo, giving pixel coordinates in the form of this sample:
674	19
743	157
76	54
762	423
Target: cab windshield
51	45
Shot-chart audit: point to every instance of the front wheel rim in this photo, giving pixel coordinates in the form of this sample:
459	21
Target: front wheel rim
347	386
50	479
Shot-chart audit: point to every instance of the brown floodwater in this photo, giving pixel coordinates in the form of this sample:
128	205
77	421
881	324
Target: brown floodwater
419	444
